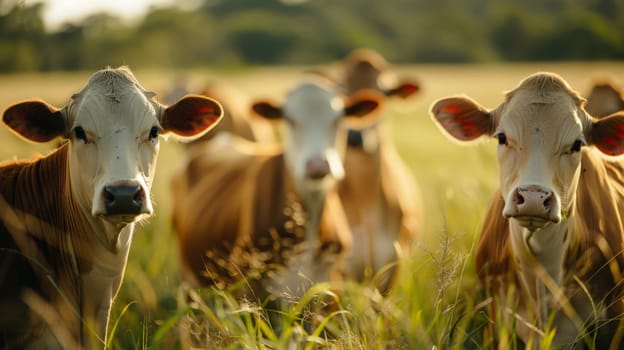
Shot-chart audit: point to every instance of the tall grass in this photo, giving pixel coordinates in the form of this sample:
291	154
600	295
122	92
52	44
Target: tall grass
437	302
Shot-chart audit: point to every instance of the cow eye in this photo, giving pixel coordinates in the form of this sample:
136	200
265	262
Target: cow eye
576	146
502	138
153	133
80	134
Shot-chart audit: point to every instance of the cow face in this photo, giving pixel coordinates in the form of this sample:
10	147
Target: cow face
313	146
540	129
113	127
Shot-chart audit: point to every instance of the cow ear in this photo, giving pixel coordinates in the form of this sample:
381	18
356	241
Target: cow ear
363	103
362	109
191	116
404	90
462	118
267	110
35	120
607	134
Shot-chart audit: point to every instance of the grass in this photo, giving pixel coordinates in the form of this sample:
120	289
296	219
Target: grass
437	302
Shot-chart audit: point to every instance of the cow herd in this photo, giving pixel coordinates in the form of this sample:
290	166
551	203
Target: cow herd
282	195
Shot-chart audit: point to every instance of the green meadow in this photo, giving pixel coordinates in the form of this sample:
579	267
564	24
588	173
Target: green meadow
437	302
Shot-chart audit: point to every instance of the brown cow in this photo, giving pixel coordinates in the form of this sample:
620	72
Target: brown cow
551	245
67	219
605	98
378	192
266	214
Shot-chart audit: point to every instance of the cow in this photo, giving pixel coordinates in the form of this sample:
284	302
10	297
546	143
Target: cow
604	98
67	218
270	214
550	248
378	193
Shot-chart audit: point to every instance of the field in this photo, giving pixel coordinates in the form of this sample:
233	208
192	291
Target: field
436	302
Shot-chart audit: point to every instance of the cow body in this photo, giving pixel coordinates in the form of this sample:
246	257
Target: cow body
67	219
51	249
378	192
379	198
269	216
551	243
257	221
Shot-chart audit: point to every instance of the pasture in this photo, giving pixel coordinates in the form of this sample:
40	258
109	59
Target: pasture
437	301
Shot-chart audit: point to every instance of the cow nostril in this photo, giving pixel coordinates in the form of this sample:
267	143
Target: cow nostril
109	197
138	197
547	203
519	199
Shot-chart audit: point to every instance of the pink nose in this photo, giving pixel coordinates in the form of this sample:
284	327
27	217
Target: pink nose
534	201
317	168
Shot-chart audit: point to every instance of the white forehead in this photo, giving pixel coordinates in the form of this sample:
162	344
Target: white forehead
544	101
113	97
312	100
530	105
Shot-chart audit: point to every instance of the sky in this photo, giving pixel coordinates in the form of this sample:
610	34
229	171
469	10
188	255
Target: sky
57	12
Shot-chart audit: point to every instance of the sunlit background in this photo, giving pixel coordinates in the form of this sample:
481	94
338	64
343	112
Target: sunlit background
55	13
71	35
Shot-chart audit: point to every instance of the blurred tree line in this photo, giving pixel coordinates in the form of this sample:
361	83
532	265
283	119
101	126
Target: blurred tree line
241	32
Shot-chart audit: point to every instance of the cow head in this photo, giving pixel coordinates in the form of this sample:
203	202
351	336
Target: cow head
541	128
113	127
367	69
314	147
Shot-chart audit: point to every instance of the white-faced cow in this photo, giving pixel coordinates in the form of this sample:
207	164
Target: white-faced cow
67	219
604	98
270	216
378	192
551	245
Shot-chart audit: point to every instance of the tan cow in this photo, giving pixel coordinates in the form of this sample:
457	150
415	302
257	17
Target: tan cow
270	215
378	192
550	249
604	98
67	219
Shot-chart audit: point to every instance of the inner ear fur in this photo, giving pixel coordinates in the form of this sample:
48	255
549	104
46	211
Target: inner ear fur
404	90
267	110
363	109
35	120
607	134
462	118
192	116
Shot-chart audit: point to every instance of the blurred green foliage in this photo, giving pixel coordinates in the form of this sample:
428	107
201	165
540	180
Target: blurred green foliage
233	33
